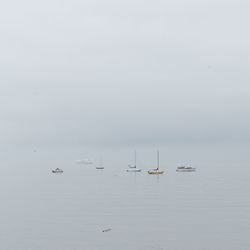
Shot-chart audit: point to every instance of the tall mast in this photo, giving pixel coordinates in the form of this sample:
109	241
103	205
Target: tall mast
135	158
100	162
158	159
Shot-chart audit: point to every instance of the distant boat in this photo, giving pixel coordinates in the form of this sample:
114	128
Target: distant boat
133	168
57	171
84	161
156	170
185	169
100	164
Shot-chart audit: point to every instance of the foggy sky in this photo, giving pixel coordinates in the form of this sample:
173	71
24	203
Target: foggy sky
124	72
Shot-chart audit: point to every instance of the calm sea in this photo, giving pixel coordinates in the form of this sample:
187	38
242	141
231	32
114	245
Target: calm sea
205	210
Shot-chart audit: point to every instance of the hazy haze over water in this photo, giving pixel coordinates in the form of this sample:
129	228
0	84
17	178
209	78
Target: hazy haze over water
84	79
147	72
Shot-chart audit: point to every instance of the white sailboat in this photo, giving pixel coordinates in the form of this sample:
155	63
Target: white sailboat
156	170
100	164
133	168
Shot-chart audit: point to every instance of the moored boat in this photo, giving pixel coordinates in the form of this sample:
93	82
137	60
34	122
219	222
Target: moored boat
57	171
185	169
100	166
133	168
156	170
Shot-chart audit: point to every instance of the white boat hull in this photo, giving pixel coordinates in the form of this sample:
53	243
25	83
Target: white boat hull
155	172
133	170
185	170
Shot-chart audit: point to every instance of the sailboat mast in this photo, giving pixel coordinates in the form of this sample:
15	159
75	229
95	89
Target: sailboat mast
135	158
158	159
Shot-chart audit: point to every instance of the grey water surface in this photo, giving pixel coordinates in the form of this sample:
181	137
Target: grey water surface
207	209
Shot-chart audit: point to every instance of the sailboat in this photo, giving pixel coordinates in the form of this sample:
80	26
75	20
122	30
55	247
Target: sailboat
133	168
100	165
156	170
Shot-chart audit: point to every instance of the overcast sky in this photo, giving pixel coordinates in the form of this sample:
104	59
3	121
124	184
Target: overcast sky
124	72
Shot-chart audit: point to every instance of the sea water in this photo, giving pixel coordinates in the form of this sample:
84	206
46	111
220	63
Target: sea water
111	209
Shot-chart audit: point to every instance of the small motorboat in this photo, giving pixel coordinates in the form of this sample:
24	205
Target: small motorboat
156	170
185	169
57	171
